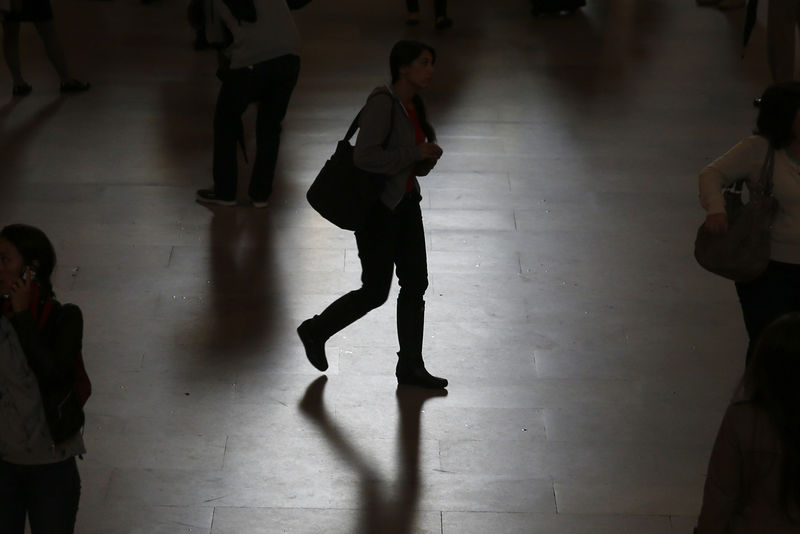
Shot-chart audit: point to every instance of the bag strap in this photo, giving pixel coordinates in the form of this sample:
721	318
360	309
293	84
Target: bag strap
765	177
354	125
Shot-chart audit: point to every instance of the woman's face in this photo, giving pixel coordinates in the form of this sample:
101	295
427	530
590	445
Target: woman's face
11	264
420	72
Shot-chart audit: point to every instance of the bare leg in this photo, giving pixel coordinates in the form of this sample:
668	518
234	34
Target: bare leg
11	51
782	16
47	31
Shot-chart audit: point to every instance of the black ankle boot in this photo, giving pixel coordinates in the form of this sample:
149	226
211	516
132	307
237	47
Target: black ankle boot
410	366
313	343
415	374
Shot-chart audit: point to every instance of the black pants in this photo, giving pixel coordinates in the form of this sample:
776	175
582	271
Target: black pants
390	239
439	7
48	494
270	83
774	293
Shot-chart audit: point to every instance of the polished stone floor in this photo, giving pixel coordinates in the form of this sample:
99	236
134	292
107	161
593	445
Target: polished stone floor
590	359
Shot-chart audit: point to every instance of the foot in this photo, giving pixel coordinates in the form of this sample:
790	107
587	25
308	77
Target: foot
442	23
208	196
417	375
315	347
259	204
74	86
413	19
21	89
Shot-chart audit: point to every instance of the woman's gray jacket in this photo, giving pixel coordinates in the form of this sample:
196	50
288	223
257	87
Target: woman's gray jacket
391	153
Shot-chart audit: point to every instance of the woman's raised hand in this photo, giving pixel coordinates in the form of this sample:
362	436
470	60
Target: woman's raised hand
21	292
430	151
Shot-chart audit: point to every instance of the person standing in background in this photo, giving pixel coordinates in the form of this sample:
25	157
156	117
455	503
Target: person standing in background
259	62
439	9
41	14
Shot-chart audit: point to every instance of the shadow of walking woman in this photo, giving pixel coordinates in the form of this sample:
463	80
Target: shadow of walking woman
384	511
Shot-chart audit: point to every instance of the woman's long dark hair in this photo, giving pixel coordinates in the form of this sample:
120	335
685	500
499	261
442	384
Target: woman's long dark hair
403	54
772	383
777	110
36	250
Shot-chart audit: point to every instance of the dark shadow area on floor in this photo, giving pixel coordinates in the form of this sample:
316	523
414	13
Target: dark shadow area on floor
586	51
242	299
16	140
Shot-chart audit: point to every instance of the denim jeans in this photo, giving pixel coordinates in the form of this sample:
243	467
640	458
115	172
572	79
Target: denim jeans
47	494
270	83
774	293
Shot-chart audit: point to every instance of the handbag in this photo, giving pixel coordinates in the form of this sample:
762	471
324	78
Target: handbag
743	252
342	193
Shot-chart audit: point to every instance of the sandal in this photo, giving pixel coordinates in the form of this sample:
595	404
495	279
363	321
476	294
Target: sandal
74	86
21	89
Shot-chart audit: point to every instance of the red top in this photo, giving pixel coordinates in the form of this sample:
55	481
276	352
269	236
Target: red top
419	137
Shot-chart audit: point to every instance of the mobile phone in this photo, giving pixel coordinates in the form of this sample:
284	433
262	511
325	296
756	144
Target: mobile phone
32	271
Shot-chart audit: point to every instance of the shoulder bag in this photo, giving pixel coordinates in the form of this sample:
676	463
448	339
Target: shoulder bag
743	252
343	193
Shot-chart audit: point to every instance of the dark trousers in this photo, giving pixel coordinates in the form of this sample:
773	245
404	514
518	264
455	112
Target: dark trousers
270	83
774	293
389	240
48	494
439	7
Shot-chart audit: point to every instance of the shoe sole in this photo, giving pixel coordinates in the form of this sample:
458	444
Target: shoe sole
420	384
218	202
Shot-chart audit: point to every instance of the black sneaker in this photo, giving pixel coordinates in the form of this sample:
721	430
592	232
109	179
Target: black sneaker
208	196
315	348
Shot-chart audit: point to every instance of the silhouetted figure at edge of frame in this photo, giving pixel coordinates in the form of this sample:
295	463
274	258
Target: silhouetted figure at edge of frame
753	482
40	388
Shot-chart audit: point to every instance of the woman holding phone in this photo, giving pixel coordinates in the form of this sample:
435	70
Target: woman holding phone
42	417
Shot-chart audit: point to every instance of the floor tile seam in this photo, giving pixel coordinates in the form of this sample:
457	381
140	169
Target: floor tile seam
657	451
305	508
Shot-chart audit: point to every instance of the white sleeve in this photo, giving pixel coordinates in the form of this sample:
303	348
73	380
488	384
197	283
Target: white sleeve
742	161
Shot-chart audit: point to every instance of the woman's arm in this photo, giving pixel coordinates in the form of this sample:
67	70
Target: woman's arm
374	124
736	164
53	360
723	482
